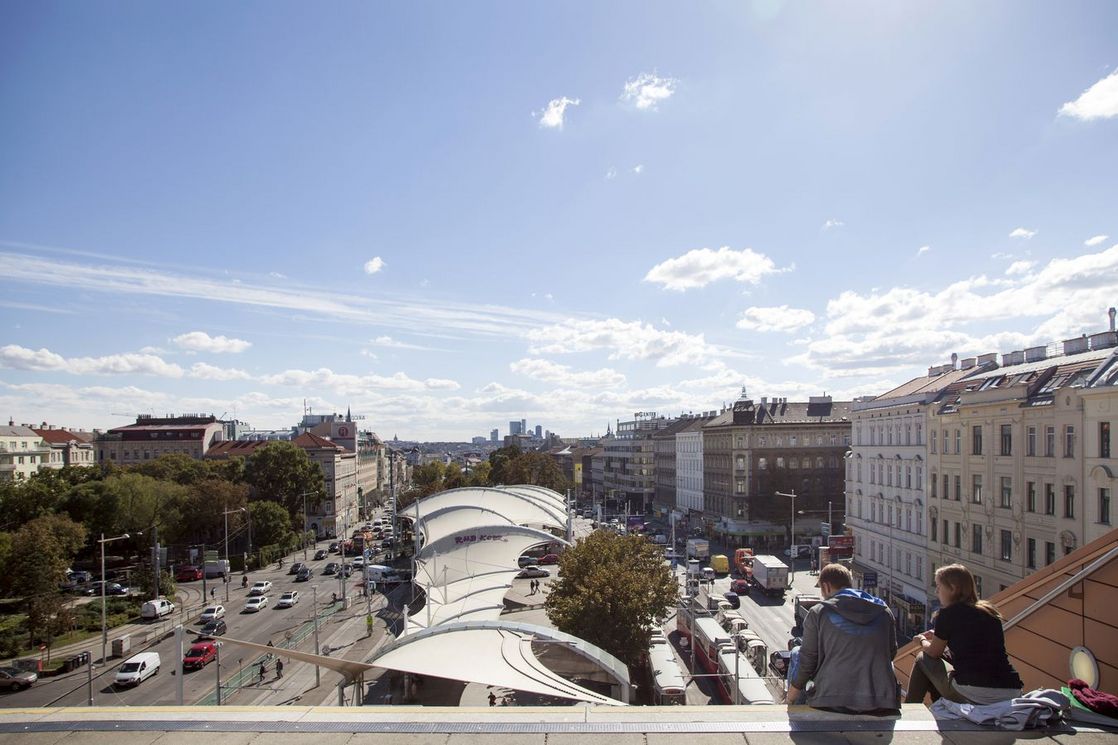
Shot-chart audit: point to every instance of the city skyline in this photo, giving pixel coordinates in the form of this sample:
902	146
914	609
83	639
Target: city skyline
448	220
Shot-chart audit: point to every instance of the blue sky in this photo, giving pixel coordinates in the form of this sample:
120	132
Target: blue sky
448	216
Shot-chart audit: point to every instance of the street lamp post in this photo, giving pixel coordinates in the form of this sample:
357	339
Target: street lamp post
104	584
792	548
317	670
225	574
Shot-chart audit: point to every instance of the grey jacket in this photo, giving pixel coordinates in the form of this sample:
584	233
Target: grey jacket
849	644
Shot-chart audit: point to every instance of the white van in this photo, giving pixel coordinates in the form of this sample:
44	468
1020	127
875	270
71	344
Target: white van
137	668
157	608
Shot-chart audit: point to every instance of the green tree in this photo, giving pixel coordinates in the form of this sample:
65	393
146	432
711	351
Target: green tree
539	469
498	460
612	592
271	523
201	511
281	472
142	580
41	551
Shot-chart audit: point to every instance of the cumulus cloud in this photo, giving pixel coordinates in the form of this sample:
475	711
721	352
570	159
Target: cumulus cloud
1100	101
200	341
611	173
631	340
780	318
374	265
348	383
203	371
638	168
1022	233
552	117
832	223
16	357
1096	240
923	250
699	267
1020	267
647	90
551	372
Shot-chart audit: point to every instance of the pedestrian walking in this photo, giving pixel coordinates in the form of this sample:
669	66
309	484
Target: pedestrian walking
279	669
492	699
261	672
213	593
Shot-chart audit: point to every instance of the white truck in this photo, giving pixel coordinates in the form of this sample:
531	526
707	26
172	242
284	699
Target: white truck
219	568
770	575
698	548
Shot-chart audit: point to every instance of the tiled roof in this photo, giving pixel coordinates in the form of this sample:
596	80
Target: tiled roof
59	436
235	447
17	431
309	441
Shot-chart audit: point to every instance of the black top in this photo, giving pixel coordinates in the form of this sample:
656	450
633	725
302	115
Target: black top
977	645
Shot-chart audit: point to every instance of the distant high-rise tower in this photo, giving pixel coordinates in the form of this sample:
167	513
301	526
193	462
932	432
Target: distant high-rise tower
539	432
523	426
494	435
516	428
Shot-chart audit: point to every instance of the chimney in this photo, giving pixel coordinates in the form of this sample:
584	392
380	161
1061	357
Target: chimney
954	361
1035	354
967	364
1104	340
1076	345
1111	313
984	358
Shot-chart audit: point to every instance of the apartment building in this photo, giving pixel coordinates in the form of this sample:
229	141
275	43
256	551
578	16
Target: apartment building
664	453
1100	459
22	452
886	494
689	466
752	451
629	478
67	448
151	437
1009	481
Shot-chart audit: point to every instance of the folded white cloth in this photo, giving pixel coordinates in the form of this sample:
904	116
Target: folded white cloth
1035	709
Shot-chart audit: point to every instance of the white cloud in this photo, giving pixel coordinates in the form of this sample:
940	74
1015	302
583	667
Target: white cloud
699	267
1001	255
923	250
647	90
277	275
16	357
632	340
1020	267
550	372
1096	240
374	265
203	371
638	168
780	318
348	383
832	223
200	341
552	117
1022	233
1100	101
611	174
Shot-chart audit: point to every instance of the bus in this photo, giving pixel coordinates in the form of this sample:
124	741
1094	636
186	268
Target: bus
669	685
752	688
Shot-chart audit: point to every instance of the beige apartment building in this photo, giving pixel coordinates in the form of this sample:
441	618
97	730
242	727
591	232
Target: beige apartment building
67	448
151	437
22	452
1009	480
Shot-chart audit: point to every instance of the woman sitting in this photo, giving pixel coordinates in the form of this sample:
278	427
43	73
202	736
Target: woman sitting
970	630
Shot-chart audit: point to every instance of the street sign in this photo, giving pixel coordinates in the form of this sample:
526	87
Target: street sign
869	579
825	529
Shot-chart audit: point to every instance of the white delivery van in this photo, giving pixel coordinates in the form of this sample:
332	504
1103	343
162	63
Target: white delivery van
157	608
137	668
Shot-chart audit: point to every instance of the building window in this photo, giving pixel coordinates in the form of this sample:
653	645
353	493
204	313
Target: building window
1030	556
889	475
1104	506
933	525
1050	442
1069	500
1007	492
1007	546
1007	439
919	479
932	482
958	441
945	444
1069	441
1104	439
945	533
976	489
976	539
1030	496
741	486
1049	552
908	477
958	535
1049	499
919	433
958	487
976	440
932	444
1030	441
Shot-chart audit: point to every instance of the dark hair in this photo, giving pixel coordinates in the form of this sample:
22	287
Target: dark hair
960	582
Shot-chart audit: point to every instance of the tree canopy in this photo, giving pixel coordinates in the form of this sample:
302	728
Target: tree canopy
613	590
282	472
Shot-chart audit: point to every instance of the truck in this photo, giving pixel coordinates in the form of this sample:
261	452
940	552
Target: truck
698	548
770	575
803	604
743	561
720	564
219	568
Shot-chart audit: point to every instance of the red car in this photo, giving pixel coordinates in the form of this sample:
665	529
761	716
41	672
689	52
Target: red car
550	559
188	574
200	655
740	586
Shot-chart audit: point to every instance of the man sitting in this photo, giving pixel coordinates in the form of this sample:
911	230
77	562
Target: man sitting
849	641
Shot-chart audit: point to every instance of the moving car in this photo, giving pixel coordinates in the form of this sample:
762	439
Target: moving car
296	567
157	608
137	668
733	599
199	655
212	613
358	562
303	575
550	559
260	588
256	603
112	588
320	554
188	574
334	548
532	571
15	679
215	627
740	586
288	599
331	568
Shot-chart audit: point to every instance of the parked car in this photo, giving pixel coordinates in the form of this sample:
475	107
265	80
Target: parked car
255	603
358	562
212	613
550	559
79	577
346	569
733	599
188	574
288	599
334	548
320	554
137	668
15	679
532	571
199	655
331	568
303	575
296	567
525	561
111	588
740	586
260	588
215	627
